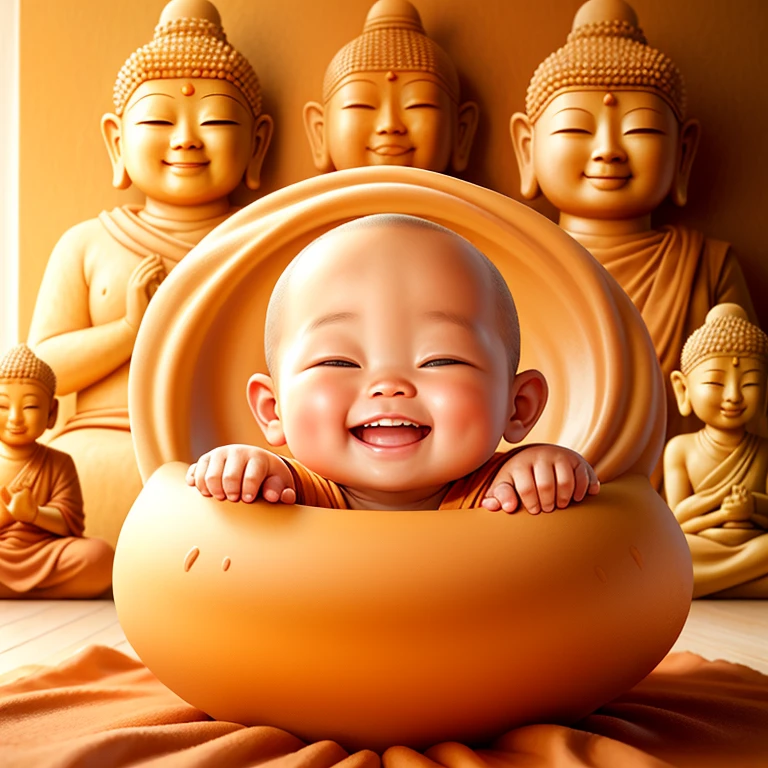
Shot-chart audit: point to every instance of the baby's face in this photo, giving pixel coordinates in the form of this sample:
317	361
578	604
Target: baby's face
392	376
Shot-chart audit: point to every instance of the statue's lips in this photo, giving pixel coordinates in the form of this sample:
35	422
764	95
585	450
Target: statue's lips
608	183
186	169
732	413
391	150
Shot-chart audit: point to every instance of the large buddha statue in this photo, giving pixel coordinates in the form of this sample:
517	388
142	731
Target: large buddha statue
186	130
606	139
716	479
391	97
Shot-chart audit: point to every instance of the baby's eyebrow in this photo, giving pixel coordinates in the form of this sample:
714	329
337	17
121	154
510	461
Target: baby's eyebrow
450	317
334	317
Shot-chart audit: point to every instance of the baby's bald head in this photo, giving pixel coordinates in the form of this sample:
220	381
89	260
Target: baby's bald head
328	245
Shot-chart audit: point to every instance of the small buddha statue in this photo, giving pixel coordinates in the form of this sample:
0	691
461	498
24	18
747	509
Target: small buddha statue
391	97
716	479
186	130
606	139
42	550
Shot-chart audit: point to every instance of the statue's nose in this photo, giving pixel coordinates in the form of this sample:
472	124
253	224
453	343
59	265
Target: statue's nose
185	137
389	119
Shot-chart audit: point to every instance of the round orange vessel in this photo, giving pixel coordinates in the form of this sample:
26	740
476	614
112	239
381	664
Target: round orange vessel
380	628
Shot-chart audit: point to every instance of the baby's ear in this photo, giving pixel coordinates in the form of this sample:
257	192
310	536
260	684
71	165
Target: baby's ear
680	387
528	397
261	398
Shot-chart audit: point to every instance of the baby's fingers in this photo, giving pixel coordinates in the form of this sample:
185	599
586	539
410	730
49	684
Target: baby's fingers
275	489
278	485
525	485
544	474
501	496
197	472
572	483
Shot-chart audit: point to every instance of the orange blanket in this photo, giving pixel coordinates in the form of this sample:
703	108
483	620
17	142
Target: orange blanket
102	708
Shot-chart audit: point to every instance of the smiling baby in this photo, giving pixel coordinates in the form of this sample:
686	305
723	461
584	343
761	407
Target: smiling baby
392	345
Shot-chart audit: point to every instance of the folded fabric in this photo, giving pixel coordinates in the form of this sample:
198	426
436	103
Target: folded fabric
103	708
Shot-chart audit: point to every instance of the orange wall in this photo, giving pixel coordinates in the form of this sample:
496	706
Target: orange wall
71	52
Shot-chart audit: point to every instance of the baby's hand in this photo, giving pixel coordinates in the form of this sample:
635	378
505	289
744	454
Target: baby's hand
541	477
233	472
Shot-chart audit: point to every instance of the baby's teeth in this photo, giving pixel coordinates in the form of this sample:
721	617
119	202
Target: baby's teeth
390	423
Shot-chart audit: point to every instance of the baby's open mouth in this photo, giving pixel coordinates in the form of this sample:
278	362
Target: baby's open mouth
390	433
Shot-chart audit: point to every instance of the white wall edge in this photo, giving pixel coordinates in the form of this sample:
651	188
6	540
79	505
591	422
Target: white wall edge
9	172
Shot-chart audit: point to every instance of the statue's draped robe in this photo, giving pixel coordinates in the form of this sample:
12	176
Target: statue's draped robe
99	440
674	276
717	566
31	557
465	493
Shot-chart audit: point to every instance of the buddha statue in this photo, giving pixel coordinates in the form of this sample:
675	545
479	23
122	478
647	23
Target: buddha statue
716	479
391	97
186	130
42	550
606	139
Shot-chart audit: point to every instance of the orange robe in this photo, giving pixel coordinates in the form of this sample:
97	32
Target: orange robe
674	276
30	556
464	493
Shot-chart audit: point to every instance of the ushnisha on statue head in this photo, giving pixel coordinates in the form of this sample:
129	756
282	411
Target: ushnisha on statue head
604	135
187	126
391	97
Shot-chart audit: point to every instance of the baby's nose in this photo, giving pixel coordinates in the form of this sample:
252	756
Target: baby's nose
392	386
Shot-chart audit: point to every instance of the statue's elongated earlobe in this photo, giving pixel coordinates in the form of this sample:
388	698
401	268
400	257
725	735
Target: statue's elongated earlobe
111	130
468	115
262	135
314	125
521	130
690	133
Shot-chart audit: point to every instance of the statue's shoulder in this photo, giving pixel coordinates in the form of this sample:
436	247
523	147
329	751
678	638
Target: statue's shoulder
698	239
680	446
61	460
86	236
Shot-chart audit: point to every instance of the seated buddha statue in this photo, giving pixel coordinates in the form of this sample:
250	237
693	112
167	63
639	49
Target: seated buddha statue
391	97
606	139
716	479
42	550
186	130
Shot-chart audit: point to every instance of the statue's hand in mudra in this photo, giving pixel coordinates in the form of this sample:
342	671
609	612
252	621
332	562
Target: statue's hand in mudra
739	506
5	516
21	506
142	284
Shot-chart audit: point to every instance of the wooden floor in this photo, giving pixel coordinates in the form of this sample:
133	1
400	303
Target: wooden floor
45	632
